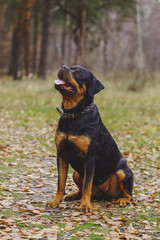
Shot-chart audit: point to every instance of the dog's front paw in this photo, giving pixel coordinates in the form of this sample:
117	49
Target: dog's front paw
54	203
122	202
85	207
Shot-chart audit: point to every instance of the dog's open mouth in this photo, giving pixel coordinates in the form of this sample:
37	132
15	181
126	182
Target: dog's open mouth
63	85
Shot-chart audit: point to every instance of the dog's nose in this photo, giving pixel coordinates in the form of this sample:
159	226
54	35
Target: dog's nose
64	67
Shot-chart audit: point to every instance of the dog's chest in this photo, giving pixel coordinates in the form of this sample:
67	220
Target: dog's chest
69	144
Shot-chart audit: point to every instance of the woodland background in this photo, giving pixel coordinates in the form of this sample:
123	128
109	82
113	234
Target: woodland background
107	36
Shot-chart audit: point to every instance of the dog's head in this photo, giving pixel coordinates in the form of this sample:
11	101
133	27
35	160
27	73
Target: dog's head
76	83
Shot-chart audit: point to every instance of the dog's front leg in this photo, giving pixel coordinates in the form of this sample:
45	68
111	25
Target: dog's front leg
62	176
87	186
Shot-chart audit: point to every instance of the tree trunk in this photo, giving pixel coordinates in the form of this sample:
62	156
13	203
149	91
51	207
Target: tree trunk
35	37
28	4
140	78
13	52
69	49
3	10
17	41
139	81
81	47
45	40
105	53
63	41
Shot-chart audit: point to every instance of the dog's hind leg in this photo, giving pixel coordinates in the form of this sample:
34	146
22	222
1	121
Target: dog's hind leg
118	186
126	186
79	182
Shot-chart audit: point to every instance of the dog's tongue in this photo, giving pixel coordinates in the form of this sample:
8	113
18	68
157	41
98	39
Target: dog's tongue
59	82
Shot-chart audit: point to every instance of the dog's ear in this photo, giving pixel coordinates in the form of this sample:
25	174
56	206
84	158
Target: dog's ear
95	86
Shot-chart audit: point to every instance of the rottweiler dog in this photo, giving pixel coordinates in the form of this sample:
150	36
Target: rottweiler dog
84	142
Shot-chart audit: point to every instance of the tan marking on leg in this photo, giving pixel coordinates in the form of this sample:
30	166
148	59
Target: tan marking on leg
123	201
86	198
62	176
120	175
111	187
86	194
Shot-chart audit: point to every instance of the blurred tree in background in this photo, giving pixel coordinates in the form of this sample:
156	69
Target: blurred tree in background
45	39
105	35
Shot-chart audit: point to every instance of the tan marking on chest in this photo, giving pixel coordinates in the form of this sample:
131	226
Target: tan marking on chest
59	137
82	142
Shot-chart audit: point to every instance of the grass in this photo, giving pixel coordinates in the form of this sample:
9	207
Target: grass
17	196
89	225
29	119
8	213
96	237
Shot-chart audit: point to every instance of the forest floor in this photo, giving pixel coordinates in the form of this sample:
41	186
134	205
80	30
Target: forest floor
28	173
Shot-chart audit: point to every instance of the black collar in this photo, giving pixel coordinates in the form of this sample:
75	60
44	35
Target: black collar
73	115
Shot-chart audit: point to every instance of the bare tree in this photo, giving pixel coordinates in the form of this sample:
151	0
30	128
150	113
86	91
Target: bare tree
35	35
45	40
28	4
141	60
17	35
82	45
3	9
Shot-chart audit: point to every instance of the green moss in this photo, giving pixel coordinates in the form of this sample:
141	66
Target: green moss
8	213
89	225
96	237
31	226
60	234
9	159
17	196
39	204
29	137
2	179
